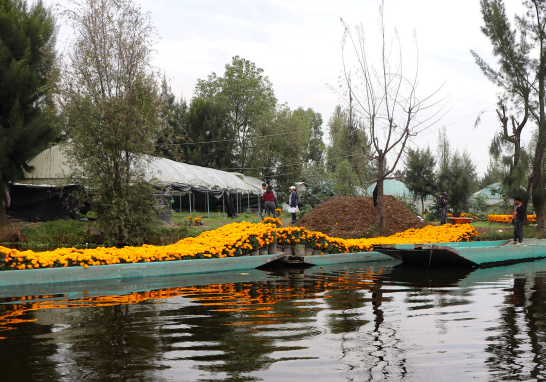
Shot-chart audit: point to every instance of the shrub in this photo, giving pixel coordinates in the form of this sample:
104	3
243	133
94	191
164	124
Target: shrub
58	232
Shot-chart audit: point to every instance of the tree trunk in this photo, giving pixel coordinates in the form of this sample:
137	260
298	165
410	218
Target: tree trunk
3	216
380	212
423	207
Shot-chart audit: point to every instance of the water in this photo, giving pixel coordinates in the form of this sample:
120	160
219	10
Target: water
362	322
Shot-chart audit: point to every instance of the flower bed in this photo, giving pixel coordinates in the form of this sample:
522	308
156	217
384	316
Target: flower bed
231	240
507	218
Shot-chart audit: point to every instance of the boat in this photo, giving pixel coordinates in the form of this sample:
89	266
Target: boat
481	254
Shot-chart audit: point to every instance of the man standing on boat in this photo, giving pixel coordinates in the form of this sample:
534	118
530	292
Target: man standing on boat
518	218
442	203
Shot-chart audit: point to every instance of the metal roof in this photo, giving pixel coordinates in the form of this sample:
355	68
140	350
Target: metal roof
51	167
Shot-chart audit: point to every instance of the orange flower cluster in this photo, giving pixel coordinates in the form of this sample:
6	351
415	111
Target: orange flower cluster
234	239
429	234
507	218
270	220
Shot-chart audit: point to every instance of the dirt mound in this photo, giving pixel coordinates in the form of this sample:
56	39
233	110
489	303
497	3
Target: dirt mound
346	217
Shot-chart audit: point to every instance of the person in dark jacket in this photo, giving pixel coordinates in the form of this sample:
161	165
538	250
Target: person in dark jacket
518	218
293	203
269	200
442	203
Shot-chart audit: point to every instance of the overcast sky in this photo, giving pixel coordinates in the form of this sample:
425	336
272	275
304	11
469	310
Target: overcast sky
298	44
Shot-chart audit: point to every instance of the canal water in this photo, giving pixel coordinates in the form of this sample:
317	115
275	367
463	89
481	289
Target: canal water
358	322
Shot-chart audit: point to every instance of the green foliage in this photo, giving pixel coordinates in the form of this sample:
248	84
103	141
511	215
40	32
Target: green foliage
433	212
342	164
27	77
521	74
206	121
420	177
247	95
408	204
115	115
457	178
479	204
493	174
173	133
58	232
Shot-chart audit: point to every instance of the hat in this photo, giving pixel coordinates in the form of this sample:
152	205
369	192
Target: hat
292	187
444	193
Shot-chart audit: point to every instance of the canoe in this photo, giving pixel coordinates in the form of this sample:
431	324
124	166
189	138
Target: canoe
466	254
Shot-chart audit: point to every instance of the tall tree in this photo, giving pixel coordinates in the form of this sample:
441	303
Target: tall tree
111	101
210	139
173	131
27	76
420	177
521	73
315	145
385	99
247	93
458	178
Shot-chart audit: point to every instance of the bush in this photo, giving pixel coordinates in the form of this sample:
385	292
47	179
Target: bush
408	204
167	235
58	232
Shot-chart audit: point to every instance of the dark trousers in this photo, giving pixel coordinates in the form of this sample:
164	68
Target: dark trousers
443	215
294	216
518	231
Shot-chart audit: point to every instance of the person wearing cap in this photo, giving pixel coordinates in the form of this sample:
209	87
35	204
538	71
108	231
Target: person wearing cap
293	203
269	199
261	206
442	203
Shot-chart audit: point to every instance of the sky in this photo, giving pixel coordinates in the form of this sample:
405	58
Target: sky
298	45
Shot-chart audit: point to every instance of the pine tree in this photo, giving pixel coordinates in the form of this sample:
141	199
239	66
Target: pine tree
209	135
27	73
420	177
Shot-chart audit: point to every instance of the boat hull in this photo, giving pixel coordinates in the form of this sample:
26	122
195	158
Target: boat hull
471	254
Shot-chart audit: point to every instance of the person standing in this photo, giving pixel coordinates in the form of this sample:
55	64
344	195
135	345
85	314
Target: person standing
269	200
442	203
261	206
518	217
293	203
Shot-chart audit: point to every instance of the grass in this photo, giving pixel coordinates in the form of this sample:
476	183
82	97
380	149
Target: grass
487	224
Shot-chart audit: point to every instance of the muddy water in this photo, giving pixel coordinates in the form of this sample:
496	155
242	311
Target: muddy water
363	322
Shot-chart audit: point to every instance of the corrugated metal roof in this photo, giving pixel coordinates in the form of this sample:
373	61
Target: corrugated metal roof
51	167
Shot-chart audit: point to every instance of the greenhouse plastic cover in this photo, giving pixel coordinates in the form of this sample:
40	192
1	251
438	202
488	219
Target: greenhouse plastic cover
51	167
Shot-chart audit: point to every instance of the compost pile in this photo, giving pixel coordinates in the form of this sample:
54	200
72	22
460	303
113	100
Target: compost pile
355	217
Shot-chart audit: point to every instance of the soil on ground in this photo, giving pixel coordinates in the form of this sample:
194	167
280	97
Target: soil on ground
346	217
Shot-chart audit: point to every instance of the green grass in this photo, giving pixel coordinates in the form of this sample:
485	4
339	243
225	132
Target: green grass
58	232
492	225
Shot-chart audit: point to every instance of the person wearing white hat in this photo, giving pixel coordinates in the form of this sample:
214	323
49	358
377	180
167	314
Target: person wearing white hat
293	203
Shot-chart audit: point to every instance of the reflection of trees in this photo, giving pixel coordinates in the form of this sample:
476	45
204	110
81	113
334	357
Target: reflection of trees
517	351
111	343
24	355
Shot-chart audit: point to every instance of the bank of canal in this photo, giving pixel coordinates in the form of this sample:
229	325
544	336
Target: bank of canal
362	321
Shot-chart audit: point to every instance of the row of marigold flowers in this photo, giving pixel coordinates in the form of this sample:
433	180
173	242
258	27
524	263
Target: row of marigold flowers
507	218
235	239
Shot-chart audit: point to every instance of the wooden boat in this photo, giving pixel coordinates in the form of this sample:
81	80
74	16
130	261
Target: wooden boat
469	254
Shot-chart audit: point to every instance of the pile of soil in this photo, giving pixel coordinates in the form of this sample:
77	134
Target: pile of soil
355	217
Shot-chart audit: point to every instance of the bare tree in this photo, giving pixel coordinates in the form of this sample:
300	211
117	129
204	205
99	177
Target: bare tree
385	100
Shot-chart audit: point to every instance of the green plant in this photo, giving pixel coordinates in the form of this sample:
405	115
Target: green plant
408	204
58	232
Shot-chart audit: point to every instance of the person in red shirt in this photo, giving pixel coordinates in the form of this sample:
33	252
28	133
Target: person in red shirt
269	200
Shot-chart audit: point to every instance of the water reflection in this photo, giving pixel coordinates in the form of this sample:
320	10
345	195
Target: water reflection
374	321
